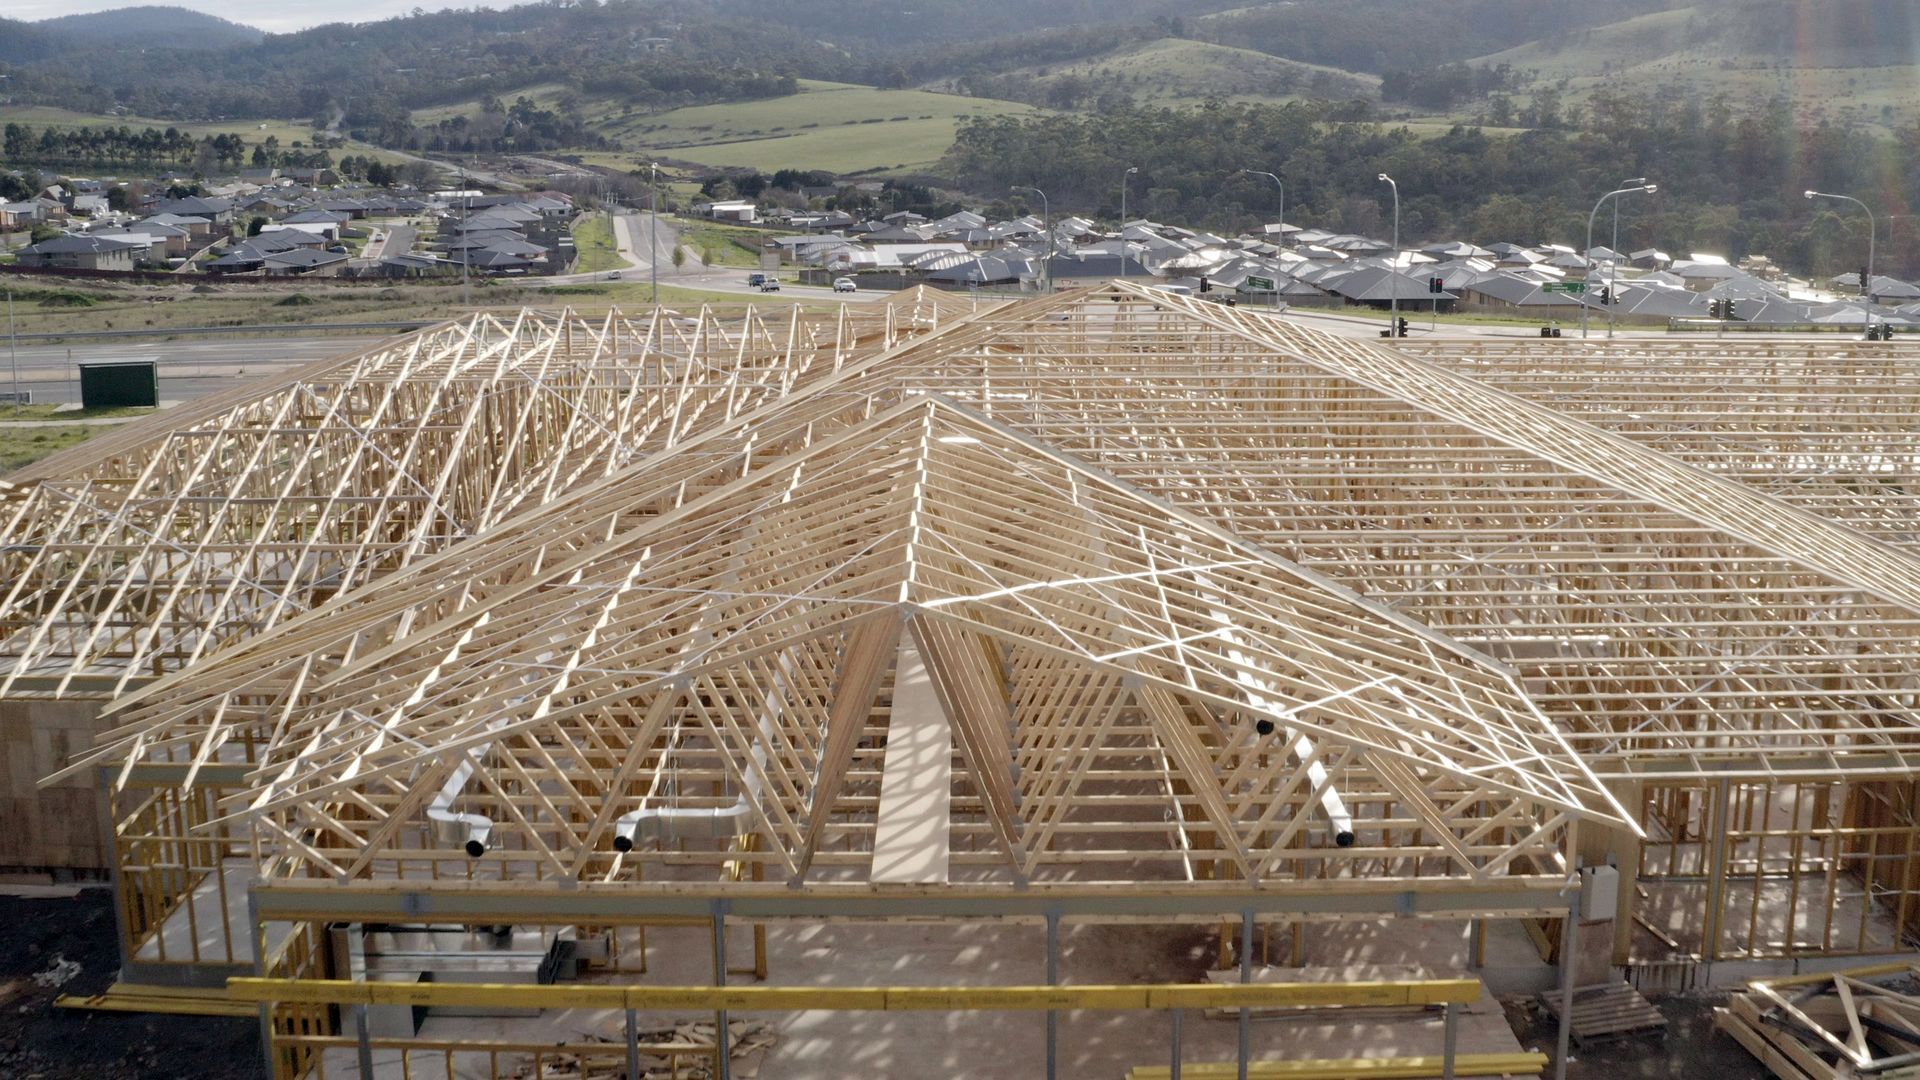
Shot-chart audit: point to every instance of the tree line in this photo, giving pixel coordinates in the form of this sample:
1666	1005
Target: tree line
149	147
1730	178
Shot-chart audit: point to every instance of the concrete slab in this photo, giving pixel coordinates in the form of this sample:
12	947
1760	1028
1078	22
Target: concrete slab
210	927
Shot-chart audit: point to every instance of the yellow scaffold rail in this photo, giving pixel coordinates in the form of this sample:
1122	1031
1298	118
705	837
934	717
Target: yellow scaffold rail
861	999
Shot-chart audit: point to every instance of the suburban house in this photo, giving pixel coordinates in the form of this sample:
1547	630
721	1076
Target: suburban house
20	215
84	252
162	241
1072	271
198	228
1500	289
305	262
217	211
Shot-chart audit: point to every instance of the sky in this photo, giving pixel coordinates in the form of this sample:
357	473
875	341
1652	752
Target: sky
278	17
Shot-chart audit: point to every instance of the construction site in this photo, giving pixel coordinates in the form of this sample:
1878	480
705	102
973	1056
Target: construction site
1109	683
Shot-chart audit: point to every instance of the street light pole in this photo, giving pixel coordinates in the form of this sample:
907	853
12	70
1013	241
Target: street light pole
466	249
1873	229
1588	254
1393	285
1046	217
653	229
1613	264
1283	197
1131	169
13	350
1283	222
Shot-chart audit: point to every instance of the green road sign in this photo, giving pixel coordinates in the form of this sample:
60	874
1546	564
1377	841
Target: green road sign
1263	284
1565	287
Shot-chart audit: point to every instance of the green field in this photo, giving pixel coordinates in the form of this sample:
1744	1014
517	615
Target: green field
1175	71
720	245
834	126
252	131
1680	51
28	443
593	239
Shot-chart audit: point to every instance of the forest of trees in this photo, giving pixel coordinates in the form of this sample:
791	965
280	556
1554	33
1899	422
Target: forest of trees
1730	179
660	54
655	55
1445	86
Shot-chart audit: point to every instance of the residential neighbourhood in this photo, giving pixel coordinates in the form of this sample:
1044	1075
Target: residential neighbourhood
1295	266
270	223
279	226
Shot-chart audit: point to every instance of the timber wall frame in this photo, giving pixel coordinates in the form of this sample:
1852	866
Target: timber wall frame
292	1048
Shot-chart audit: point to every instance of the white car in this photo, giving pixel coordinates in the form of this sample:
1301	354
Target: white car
844	284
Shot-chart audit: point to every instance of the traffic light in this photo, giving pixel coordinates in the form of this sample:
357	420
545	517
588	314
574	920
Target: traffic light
1436	285
1606	295
1716	309
1726	308
1205	285
1402	327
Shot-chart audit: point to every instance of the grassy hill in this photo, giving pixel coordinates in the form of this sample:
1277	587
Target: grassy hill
1177	71
1851	64
839	127
251	131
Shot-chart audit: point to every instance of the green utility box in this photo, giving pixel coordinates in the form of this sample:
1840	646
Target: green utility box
105	386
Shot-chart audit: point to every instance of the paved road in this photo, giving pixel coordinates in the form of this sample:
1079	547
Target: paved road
632	236
397	240
188	369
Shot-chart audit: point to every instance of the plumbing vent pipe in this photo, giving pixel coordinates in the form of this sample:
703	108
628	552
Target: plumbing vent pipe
469	831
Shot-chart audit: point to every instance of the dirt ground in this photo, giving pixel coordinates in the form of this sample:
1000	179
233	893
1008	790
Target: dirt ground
40	1042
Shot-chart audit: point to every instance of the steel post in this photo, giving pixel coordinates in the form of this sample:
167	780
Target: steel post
365	1039
1179	1019
722	1041
1569	942
1246	976
1053	979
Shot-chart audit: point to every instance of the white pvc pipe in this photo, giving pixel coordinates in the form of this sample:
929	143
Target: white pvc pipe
709	822
683	822
470	831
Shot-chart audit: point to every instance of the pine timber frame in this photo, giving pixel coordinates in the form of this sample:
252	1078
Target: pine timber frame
1632	608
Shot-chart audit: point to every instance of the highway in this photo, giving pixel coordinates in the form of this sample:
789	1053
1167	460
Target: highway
188	368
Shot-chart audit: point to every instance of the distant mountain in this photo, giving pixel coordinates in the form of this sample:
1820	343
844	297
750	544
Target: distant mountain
152	27
24	43
1856	62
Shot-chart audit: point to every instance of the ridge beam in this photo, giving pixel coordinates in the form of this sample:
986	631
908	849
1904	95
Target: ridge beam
913	827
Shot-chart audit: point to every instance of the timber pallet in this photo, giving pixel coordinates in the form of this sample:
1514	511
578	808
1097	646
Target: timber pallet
1604	1013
